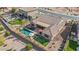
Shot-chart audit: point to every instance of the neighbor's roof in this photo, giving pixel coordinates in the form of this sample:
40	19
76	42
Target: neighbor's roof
27	8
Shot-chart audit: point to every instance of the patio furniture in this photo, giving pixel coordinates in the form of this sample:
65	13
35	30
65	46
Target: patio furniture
31	34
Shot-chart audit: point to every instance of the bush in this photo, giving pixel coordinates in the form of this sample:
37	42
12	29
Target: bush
1	28
7	33
29	47
13	10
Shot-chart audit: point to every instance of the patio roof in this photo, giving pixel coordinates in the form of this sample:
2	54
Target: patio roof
41	23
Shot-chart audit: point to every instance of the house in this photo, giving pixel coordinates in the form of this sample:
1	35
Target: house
52	25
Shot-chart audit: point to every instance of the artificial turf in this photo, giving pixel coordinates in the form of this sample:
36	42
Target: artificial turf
71	45
41	40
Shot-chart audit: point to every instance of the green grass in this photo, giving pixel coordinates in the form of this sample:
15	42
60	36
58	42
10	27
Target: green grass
71	45
16	21
2	40
41	40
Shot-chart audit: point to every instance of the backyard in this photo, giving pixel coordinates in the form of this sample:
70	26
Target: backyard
37	37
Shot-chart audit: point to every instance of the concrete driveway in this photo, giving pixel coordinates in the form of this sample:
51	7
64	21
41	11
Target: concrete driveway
12	44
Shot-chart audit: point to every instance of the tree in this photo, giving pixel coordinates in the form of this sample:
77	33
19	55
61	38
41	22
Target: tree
30	19
72	22
13	10
1	28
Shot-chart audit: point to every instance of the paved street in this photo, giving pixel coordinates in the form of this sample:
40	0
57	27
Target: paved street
60	15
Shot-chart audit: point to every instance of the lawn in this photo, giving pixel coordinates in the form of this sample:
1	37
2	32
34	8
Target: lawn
2	40
41	40
17	22
71	45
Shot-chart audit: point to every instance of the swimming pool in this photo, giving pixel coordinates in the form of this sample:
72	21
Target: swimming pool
25	31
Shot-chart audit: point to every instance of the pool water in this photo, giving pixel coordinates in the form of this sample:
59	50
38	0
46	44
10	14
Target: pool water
25	31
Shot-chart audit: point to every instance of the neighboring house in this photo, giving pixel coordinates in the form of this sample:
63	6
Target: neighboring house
52	25
32	11
21	13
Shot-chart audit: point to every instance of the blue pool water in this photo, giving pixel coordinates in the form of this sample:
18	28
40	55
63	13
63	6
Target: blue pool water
25	31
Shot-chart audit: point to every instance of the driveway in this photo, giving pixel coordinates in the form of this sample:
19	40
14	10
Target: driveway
12	43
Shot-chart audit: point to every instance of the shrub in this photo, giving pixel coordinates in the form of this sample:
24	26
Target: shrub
13	10
7	33
29	47
1	28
